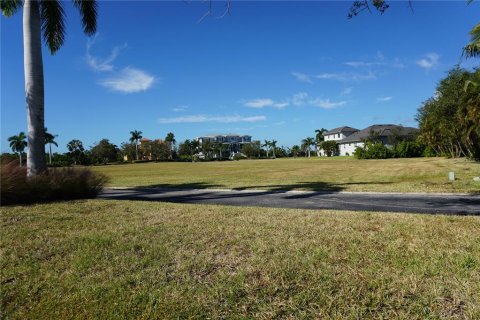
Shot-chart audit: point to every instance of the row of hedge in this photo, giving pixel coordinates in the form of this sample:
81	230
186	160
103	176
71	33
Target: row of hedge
404	149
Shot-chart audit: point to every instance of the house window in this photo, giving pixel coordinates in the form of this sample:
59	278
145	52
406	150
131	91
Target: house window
339	135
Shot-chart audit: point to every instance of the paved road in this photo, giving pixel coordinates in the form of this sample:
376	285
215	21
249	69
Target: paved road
412	203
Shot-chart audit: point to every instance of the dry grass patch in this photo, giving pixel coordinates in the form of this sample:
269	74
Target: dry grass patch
126	259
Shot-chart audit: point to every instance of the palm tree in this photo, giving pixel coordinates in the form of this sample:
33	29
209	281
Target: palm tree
75	147
135	137
267	146
170	139
319	139
273	144
18	144
47	16
307	143
50	139
472	49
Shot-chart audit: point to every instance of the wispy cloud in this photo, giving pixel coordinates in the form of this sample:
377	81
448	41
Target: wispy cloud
357	64
209	118
179	108
99	64
299	99
264	102
429	61
347	76
129	80
384	99
302	77
326	103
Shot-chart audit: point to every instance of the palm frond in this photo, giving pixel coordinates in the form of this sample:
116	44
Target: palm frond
88	11
9	7
53	24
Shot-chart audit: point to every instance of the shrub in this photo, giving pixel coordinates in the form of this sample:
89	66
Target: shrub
239	156
55	184
409	149
373	151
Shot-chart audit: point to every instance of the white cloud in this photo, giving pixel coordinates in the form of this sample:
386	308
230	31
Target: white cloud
179	108
357	64
302	77
129	80
298	99
429	61
264	102
98	64
279	123
347	76
326	103
384	99
208	118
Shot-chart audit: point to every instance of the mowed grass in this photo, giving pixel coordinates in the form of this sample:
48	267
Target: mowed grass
339	173
101	259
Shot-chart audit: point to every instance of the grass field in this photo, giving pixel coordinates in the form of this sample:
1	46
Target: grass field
340	173
124	259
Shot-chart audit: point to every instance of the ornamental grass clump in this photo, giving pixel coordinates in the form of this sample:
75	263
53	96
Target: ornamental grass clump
55	184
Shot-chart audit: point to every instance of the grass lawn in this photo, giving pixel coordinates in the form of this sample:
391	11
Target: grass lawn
340	173
125	259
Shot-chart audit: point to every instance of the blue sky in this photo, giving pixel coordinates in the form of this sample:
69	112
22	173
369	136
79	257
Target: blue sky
271	69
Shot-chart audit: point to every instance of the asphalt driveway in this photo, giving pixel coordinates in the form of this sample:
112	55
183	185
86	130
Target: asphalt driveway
450	204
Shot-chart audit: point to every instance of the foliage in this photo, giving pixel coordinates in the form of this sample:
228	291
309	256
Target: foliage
251	150
371	150
294	151
158	150
76	150
307	143
472	49
18	144
329	147
408	149
104	152
54	184
449	122
129	150
239	156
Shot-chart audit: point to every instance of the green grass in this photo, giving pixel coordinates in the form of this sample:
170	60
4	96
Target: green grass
342	173
125	259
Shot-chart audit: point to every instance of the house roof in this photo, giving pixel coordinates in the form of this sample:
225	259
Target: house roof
384	130
340	130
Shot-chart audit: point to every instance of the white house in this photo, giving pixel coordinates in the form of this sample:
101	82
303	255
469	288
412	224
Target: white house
233	142
336	134
383	132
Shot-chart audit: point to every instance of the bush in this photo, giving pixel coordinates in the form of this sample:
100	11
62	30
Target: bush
409	149
55	184
239	156
373	151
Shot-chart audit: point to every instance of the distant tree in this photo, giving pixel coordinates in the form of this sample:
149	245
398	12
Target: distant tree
104	152
266	145
50	139
170	140
307	143
319	138
135	137
250	150
222	148
159	151
273	145
329	147
128	150
76	150
18	144
294	151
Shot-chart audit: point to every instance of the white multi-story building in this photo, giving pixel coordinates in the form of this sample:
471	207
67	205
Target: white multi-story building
336	134
234	142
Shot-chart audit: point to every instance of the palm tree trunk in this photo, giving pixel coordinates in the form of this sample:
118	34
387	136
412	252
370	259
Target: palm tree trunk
20	155
33	65
50	153
136	149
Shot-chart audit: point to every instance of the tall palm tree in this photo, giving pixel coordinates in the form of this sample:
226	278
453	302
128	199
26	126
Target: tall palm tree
18	144
135	137
47	16
319	138
307	143
170	139
273	144
267	146
50	139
